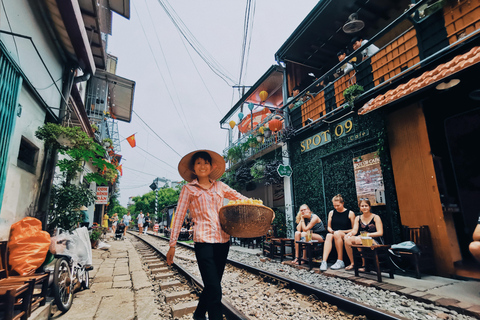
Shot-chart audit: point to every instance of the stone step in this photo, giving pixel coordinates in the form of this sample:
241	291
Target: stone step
176	295
160	276
159	270
156	265
170	284
181	309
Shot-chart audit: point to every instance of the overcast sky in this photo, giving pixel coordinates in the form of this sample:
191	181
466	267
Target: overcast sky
176	93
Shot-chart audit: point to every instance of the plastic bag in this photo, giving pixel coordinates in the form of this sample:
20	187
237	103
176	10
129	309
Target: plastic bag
408	246
28	245
103	245
71	245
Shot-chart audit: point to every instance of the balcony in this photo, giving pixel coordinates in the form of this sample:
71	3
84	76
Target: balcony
417	40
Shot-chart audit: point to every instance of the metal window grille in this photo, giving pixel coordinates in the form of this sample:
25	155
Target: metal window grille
10	84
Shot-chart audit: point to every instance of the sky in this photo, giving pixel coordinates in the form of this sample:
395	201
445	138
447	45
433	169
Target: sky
179	101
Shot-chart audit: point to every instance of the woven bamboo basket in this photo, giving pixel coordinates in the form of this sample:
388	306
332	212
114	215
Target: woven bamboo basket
246	220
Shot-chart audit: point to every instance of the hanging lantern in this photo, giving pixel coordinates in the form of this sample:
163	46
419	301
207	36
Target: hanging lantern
275	125
260	130
240	116
251	106
263	95
232	124
260	138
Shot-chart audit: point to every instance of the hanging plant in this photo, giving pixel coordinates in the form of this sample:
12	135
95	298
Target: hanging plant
352	92
94	127
243	176
258	169
271	173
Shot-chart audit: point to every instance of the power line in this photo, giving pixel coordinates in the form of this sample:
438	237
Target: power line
161	73
156	134
195	44
187	127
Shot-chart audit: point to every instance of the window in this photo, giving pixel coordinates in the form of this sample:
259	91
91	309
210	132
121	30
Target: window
27	156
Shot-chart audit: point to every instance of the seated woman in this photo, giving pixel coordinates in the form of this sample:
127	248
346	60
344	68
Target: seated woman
474	246
340	222
366	222
306	221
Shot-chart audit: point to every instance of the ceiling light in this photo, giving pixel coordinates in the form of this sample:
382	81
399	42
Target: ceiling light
447	85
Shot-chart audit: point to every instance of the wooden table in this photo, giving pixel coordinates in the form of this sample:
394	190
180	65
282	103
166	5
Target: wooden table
311	247
376	255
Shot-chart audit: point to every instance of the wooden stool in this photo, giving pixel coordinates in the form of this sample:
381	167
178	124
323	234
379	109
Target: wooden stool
377	255
278	246
312	247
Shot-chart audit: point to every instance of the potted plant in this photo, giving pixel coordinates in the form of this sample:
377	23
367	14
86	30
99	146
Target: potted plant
267	132
235	153
94	127
352	92
94	238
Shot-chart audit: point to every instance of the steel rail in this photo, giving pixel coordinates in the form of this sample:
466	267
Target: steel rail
229	310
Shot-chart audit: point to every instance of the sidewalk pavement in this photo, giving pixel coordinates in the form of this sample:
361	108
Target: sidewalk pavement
119	287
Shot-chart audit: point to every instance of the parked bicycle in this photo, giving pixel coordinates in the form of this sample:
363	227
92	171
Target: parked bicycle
71	271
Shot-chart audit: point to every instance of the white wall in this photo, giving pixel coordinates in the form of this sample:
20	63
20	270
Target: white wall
24	20
21	186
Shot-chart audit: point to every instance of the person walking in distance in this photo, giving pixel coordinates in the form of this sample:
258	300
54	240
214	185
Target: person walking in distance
126	221
140	221
203	196
146	224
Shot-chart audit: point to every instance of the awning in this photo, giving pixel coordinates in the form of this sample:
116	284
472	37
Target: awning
427	79
121	93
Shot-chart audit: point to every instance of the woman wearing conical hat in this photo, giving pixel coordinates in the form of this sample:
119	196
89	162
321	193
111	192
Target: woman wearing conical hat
203	196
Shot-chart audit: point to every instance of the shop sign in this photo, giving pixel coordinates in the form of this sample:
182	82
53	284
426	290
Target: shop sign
369	178
357	135
102	195
284	171
340	130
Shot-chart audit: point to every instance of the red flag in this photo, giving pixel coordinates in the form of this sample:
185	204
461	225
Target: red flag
132	141
119	168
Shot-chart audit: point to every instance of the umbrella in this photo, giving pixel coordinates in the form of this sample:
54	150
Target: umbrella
258	117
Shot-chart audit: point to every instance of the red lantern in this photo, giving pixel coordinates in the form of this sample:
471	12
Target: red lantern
275	125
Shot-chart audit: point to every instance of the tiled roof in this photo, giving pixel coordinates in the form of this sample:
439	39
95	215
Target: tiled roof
442	71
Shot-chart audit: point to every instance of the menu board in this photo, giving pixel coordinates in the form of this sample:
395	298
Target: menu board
369	178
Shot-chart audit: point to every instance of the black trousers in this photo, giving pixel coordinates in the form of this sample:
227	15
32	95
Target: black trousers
211	259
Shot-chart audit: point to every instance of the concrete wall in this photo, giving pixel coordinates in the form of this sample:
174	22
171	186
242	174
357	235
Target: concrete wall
19	17
24	17
22	186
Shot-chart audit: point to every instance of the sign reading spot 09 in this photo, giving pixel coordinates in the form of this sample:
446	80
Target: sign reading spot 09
284	171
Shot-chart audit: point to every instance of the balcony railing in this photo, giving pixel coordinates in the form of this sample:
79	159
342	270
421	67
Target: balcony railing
419	38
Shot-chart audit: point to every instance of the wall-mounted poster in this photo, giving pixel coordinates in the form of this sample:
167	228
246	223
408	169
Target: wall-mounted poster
369	178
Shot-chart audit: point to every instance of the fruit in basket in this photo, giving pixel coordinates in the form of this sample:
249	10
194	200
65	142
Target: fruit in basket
245	201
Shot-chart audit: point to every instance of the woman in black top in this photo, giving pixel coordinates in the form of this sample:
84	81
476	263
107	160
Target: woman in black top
340	222
146	223
306	221
366	222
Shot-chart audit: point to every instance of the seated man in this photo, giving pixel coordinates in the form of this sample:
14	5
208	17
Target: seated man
346	68
358	42
475	244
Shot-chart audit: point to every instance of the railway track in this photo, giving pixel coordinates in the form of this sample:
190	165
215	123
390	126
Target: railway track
251	293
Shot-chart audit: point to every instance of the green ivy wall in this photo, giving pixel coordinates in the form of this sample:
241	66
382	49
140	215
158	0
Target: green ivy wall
321	173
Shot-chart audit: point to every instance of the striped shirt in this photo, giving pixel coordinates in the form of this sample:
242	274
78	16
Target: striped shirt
204	206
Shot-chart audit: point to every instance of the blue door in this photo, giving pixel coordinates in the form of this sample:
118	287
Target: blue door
10	84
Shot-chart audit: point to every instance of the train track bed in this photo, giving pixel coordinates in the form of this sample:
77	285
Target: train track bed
261	296
392	302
